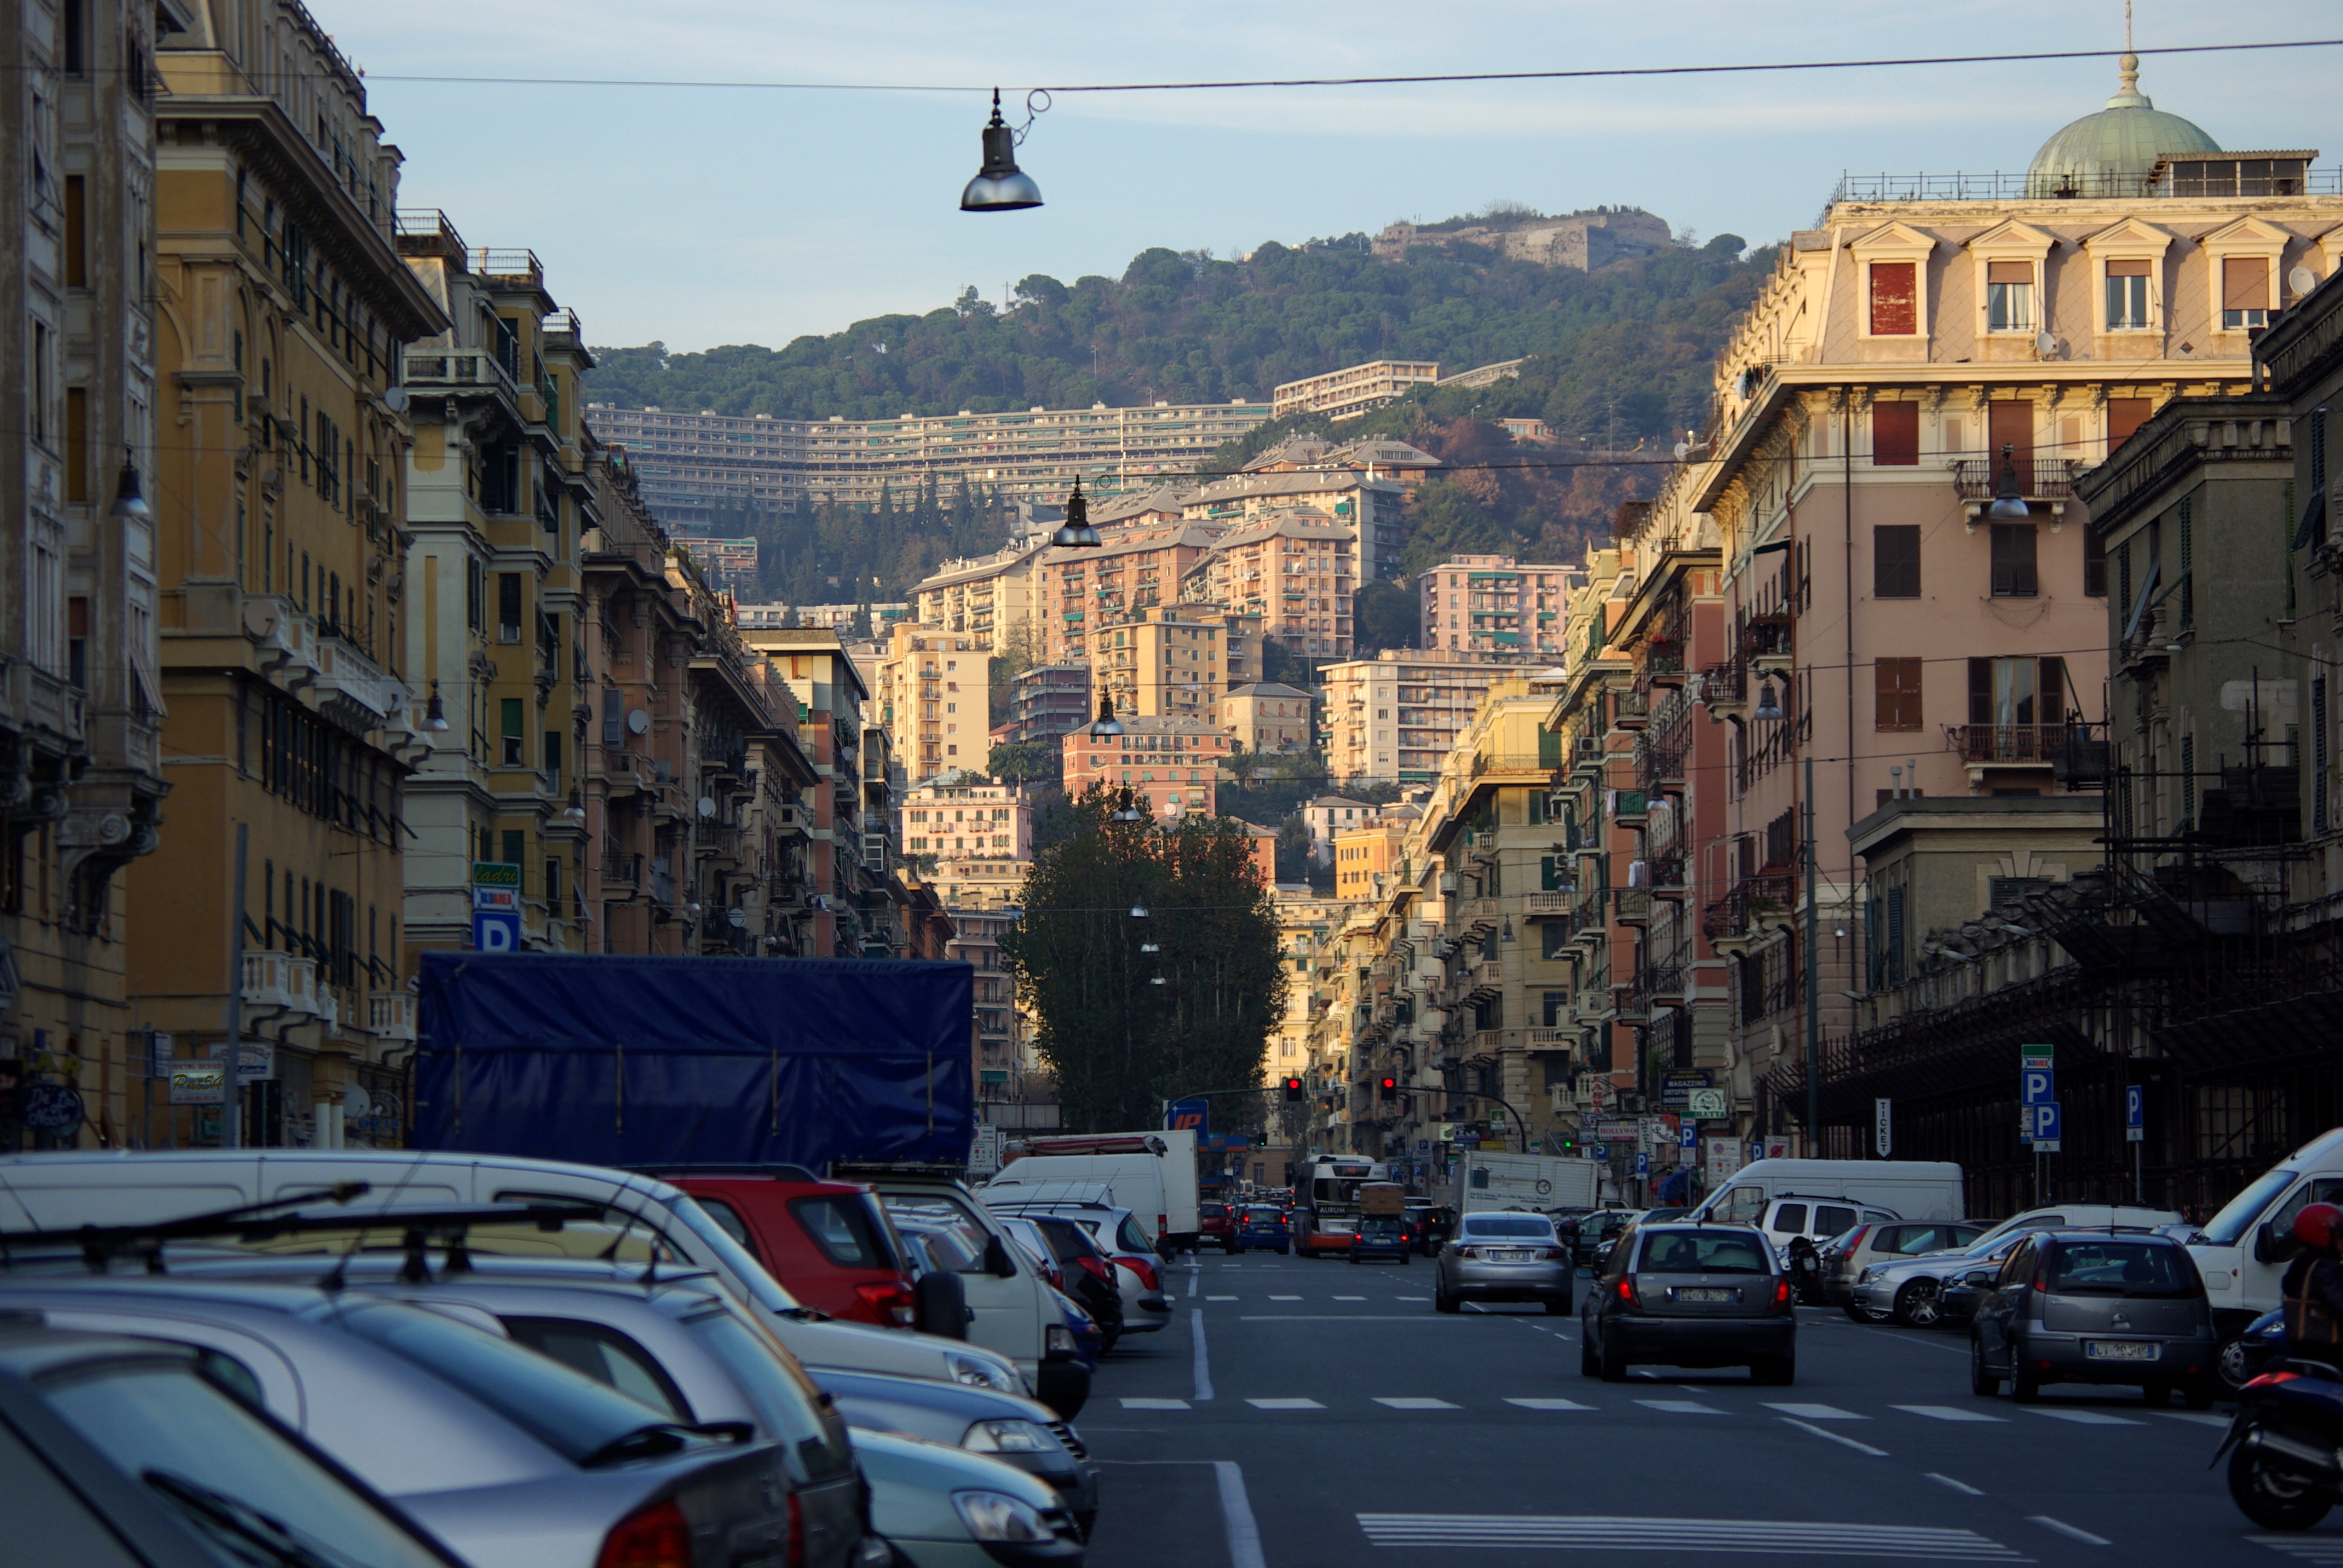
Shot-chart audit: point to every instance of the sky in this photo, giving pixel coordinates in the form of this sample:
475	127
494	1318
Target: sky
703	215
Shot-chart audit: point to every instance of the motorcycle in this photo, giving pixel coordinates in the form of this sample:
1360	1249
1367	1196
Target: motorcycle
2286	1445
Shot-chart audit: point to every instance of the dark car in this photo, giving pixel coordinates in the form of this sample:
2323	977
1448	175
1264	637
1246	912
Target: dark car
1216	1226
2095	1307
1596	1232
1690	1296
1382	1236
1263	1226
1435	1223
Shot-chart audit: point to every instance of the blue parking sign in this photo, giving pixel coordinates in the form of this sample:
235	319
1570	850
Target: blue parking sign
2036	1086
495	931
1642	1162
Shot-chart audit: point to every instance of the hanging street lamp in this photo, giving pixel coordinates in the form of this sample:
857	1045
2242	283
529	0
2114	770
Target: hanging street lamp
2008	500
999	186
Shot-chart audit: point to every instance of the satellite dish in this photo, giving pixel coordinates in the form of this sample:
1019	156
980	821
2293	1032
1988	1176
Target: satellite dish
2045	345
356	1104
395	397
2302	280
638	722
707	807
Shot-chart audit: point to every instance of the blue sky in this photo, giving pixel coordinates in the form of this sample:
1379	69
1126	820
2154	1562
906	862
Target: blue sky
704	216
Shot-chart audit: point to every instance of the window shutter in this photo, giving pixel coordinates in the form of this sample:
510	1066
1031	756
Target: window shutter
1895	299
2127	269
1895	562
1895	435
2126	415
2010	272
1980	691
2245	282
2318	754
2010	423
2052	705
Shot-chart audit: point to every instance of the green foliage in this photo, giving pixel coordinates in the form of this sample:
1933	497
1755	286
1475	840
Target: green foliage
1119	1045
832	554
1026	762
1382	615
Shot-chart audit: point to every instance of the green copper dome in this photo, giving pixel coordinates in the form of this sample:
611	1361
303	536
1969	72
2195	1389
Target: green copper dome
2110	154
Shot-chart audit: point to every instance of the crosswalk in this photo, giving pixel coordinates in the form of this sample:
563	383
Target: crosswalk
2326	1550
1685	1537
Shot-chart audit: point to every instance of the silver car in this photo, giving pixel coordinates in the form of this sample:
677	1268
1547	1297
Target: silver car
1505	1256
1138	1270
1910	1290
514	1461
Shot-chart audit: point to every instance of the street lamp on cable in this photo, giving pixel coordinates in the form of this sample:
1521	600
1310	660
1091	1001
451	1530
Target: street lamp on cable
2008	500
1107	724
435	712
1076	533
999	186
576	810
1769	707
1129	812
128	504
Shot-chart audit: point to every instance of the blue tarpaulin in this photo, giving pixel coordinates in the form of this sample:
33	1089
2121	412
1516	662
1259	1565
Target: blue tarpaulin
618	1060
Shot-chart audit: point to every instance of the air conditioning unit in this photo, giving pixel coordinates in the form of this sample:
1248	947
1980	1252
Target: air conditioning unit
508	634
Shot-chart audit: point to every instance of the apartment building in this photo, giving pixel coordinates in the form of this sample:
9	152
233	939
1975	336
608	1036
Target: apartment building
1352	390
1085	589
1268	717
1328	815
1395	716
1374	508
849	824
1048	699
79	704
1365	855
730	565
995	597
1174	658
1494	604
282	310
701	467
1172	762
1294	570
932	696
1375	456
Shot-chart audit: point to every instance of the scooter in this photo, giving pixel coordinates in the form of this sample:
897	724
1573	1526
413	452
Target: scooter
2286	1445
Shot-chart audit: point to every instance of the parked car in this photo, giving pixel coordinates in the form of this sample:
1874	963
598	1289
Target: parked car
1909	1289
1263	1227
2245	1356
829	1242
1597	1231
1117	1234
1382	1236
1784	1220
2095	1307
939	1507
2078	1216
1701	1295
1867	1244
1089	1342
1022	1432
510	1457
940	1245
1216	1225
1075	1268
136	1452
1503	1256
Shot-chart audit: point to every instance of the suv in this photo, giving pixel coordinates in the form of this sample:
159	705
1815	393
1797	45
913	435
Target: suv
1788	1216
828	1241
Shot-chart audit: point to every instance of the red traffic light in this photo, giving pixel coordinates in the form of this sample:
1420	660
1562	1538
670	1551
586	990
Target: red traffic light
1294	1088
1390	1083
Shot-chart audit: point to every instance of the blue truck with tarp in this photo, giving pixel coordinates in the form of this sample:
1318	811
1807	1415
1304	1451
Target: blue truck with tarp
609	1060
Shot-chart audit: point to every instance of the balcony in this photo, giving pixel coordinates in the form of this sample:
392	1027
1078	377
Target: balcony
1667	875
1548	906
2038	478
456	370
1634	711
621	873
1633	907
283	983
1725	687
2034	745
391	1014
1548	1040
1633	808
1750	899
1481	980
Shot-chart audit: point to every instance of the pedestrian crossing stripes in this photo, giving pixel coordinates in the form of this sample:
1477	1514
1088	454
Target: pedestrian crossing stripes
1679	1406
1131	1403
2087	1417
1816	1411
2324	1549
1285	1404
1405	1403
1549	1404
1682	1536
1285	1298
1947	1413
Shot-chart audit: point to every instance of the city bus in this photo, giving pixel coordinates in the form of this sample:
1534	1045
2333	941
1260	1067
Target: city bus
1326	1201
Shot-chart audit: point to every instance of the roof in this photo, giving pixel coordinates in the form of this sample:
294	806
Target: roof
1287	525
1161	499
1264	689
1324	800
1190	535
1303	482
2113	151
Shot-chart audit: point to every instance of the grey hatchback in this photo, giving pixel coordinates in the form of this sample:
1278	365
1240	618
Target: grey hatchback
1690	1295
2097	1307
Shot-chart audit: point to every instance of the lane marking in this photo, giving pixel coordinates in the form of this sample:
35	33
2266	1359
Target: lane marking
1679	1407
2201	1417
1131	1403
1285	1298
1549	1404
1815	1412
1350	1297
2068	1530
1947	1413
1960	1486
1413	1403
1195	1278
1284	1404
1411	1298
1219	1298
1739	1536
1204	1359
2310	1549
1332	1318
2087	1418
1835	1437
1236	1515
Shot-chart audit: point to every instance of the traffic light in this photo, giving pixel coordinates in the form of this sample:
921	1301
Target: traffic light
1293	1090
1390	1088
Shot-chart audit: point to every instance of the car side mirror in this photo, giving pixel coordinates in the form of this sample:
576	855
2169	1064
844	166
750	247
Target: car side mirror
997	1260
2273	1245
1980	1277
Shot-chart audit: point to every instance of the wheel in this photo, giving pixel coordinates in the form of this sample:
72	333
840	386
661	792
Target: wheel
2272	1498
1588	1366
1285	1251
2155	1394
1557	1306
1355	1257
1614	1366
1984	1383
1856	1313
1917	1306
1442	1301
2230	1365
1779	1371
1405	1259
2024	1387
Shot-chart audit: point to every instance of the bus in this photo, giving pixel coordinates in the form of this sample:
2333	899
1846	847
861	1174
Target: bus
1326	1201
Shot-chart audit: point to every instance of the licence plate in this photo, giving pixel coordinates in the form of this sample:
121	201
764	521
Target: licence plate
1699	1294
1509	1255
2118	1350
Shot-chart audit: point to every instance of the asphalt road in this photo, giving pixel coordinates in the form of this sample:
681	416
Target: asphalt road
1296	1414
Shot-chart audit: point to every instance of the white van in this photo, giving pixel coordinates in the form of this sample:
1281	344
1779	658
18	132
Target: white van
1152	1174
2243	1251
1906	1188
69	1189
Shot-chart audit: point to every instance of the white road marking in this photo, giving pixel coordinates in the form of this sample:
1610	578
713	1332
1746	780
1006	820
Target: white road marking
1815	1412
2088	1417
1681	1536
1962	1487
1285	1298
1285	1404
1236	1515
2068	1530
2326	1550
1129	1403
1195	1278
1332	1318
1410	1402
1679	1407
1835	1437
2201	1417
1549	1404
1350	1297
1947	1413
1219	1298
1204	1359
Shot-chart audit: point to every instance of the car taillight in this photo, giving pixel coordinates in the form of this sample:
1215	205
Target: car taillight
1146	1273
1847	1250
658	1537
1466	1252
890	1301
1627	1289
797	1533
1096	1270
1162	1226
1782	1291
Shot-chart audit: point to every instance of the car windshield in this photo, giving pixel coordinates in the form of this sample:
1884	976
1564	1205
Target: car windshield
239	1481
1379	1225
2120	1268
1700	1252
2239	1214
1526	1227
577	1418
940	1216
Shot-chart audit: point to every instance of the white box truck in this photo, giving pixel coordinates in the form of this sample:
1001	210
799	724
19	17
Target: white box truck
1526	1182
1152	1174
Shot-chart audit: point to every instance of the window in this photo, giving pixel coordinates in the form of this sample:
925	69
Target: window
2009	295
1895	299
2004	691
2094	563
1896	700
1895	435
2014	574
2244	292
516	846
511	730
2126	296
77	232
604	1354
2010	423
1896	559
507	606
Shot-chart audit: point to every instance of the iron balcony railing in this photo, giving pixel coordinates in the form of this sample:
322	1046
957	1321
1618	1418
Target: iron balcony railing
2038	478
1731	914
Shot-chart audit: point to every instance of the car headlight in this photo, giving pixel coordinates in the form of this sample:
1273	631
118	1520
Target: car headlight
1059	1339
1868	1274
997	1516
980	1374
1010	1437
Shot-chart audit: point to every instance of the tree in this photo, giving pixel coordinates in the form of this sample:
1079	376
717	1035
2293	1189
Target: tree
1026	761
1118	1043
1385	614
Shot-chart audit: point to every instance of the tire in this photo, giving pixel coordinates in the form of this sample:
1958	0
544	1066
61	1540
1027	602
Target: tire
1285	1251
2229	1362
1588	1366
1917	1305
1557	1306
2274	1499
1405	1259
2024	1387
1442	1301
1856	1313
1355	1257
1613	1368
1983	1383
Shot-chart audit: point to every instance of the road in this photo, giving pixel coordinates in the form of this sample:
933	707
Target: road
1297	1414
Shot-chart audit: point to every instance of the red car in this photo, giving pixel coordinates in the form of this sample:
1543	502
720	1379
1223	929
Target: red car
828	1243
1216	1226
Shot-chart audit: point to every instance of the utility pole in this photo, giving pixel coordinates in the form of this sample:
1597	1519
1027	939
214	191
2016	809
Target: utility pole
232	1098
1813	1000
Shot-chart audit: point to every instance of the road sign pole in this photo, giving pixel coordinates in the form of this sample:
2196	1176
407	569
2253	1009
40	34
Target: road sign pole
232	1103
